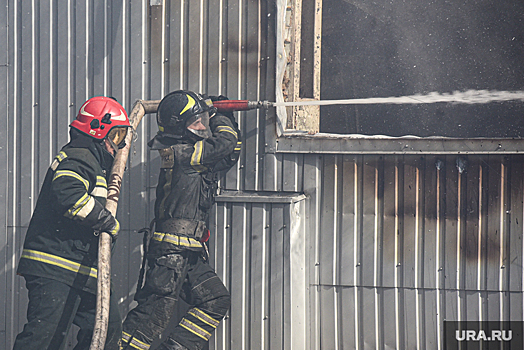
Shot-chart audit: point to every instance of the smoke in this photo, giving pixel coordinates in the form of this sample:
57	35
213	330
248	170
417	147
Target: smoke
456	97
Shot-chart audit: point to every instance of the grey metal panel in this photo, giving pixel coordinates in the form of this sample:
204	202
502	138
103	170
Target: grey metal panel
260	276
328	224
4	169
299	142
240	276
276	317
4	254
438	260
250	248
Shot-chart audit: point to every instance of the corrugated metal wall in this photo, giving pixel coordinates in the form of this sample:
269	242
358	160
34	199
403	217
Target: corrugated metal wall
379	254
402	243
56	54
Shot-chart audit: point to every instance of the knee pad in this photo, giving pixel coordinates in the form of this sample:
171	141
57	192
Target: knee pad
213	297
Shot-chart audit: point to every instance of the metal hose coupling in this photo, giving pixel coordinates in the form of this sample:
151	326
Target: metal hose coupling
259	104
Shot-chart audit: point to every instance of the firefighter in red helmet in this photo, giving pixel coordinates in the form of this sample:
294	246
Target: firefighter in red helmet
59	258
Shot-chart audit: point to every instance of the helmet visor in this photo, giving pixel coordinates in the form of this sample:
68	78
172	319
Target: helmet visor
117	136
199	125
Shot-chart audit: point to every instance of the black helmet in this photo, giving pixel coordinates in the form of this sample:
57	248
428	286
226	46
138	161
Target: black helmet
178	109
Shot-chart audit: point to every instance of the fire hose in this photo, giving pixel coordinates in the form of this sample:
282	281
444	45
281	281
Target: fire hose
140	108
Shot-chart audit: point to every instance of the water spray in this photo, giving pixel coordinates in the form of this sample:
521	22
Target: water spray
457	97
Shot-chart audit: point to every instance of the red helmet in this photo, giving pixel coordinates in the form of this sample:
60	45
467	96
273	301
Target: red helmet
101	117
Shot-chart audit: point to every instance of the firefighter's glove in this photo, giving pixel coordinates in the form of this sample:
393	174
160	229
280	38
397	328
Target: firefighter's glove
222	98
218	98
107	223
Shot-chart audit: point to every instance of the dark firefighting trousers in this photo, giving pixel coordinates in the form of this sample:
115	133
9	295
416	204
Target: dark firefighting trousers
53	307
169	277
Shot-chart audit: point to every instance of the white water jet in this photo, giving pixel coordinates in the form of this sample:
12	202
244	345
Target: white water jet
456	97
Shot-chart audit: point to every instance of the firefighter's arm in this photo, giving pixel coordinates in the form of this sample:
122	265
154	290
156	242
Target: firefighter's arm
75	190
209	152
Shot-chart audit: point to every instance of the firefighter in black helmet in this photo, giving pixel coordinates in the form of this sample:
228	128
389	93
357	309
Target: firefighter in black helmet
195	143
59	259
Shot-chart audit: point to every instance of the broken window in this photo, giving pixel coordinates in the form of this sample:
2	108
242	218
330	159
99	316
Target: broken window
441	67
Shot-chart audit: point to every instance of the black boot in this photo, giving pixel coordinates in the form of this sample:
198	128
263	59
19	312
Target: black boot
171	344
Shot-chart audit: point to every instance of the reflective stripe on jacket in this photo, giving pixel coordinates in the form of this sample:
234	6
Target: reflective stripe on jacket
187	183
60	244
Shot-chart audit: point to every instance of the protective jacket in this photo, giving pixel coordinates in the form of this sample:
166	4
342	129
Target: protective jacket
187	184
185	193
60	243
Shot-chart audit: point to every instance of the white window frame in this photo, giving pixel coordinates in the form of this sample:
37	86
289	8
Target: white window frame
298	127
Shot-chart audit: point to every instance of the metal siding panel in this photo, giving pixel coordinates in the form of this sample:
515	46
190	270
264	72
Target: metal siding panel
60	88
517	305
471	302
390	233
493	305
410	229
493	234
328	331
289	172
239	276
349	323
430	319
276	316
25	120
286	285
328	223
194	52
450	224
45	119
116	50
515	225
156	60
175	49
271	167
348	231
390	319
368	320
369	221
16	297
312	168
298	287
96	48
399	234
218	250
214	61
236	43
138	48
410	323
259	281
505	218
429	220
250	90
4	170
81	37
471	216
312	188
4	43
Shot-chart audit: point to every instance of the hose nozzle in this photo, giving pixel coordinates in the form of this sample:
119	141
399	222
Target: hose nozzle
240	105
259	104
